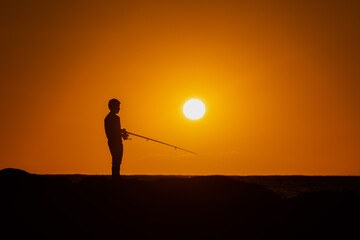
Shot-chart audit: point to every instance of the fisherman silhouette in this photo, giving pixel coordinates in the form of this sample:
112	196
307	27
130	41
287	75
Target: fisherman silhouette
115	134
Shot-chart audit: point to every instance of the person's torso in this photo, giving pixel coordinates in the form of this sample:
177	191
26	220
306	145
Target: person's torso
113	127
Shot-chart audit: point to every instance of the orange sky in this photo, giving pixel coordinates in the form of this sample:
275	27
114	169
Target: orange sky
280	81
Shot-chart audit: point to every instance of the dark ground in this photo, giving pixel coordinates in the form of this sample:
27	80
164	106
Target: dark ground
197	207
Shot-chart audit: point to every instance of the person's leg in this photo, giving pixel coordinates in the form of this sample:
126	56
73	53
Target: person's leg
115	170
117	155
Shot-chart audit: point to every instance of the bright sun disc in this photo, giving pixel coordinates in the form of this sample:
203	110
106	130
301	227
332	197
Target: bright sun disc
194	109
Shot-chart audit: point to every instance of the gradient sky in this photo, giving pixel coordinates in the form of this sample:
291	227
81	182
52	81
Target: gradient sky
280	81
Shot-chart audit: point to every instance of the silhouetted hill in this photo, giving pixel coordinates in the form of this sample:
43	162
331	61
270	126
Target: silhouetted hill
168	208
13	173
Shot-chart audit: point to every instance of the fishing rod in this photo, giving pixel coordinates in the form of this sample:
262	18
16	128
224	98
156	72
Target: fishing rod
154	140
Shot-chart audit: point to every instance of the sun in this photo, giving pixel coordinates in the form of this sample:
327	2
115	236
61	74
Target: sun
194	109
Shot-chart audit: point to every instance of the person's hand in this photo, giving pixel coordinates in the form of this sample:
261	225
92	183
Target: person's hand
124	134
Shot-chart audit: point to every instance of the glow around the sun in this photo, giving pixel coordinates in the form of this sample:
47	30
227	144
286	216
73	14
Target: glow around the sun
194	109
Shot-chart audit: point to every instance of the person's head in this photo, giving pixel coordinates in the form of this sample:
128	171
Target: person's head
114	105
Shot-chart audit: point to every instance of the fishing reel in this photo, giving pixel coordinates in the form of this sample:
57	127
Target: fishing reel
124	134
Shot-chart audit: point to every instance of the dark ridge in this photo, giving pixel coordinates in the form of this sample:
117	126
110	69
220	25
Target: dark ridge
95	207
13	172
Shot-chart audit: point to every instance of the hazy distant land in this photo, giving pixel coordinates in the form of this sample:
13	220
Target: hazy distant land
286	186
178	207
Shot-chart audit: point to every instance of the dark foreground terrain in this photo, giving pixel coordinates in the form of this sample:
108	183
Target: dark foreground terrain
216	207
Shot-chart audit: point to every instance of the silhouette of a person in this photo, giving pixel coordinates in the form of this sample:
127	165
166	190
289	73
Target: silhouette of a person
115	134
